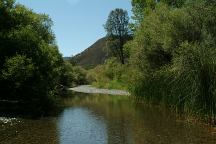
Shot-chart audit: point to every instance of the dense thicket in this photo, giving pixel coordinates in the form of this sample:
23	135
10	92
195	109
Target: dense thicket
73	75
173	54
109	75
31	67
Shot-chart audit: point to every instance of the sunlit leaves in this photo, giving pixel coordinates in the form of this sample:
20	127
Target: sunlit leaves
173	56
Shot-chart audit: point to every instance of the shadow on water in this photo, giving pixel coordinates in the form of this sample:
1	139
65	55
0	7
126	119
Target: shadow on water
30	109
103	119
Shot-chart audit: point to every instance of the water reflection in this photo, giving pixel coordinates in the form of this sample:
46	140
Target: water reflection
101	119
130	123
80	126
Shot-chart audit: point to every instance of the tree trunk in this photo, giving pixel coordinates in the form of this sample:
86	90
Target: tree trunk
122	57
121	51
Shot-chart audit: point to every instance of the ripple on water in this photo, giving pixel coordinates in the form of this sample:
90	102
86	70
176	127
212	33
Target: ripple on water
80	126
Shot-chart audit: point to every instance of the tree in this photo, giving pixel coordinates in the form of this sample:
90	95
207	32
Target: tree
30	63
141	8
174	3
138	12
118	30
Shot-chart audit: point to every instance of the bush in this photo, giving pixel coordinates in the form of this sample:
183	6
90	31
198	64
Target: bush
109	75
73	75
173	58
30	63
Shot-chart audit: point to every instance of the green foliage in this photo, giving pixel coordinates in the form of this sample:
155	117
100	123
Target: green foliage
17	70
117	27
172	57
117	23
67	74
79	75
111	75
72	75
30	63
141	9
174	3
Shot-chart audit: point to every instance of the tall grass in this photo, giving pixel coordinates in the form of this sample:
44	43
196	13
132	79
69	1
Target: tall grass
188	84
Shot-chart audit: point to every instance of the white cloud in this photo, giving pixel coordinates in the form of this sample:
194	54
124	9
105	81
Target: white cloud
73	2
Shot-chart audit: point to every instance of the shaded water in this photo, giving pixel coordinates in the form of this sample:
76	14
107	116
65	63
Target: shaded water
102	119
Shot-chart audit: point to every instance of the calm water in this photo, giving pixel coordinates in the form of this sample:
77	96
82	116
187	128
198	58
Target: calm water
101	119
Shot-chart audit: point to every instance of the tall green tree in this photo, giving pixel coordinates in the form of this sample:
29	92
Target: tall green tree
174	3
141	8
30	63
118	31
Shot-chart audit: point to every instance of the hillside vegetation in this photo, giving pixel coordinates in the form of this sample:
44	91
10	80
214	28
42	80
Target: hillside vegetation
92	56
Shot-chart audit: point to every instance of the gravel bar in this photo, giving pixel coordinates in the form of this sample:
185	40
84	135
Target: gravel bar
92	90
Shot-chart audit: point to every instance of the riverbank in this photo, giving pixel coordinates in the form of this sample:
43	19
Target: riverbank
92	90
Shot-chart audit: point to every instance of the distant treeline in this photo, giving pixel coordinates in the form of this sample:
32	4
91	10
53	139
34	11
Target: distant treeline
172	57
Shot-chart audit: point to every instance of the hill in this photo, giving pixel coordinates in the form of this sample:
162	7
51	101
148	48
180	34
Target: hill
94	55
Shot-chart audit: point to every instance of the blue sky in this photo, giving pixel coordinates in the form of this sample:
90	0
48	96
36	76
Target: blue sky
77	23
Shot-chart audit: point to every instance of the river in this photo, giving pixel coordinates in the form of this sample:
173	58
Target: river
105	119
